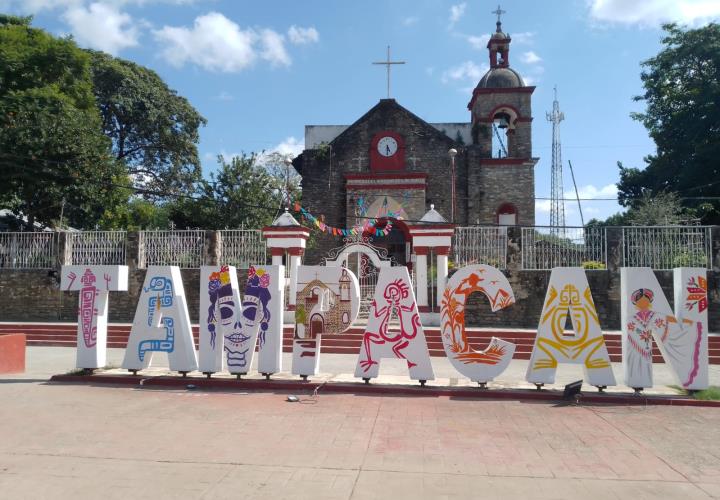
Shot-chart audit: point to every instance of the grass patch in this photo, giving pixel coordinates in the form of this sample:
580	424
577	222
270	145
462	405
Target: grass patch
76	371
712	393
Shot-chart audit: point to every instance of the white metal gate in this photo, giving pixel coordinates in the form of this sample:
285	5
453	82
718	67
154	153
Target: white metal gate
365	260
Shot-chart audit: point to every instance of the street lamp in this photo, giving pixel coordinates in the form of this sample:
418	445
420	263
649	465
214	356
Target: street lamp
453	153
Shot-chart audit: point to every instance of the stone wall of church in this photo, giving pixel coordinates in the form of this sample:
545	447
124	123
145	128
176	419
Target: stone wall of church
482	132
425	151
489	186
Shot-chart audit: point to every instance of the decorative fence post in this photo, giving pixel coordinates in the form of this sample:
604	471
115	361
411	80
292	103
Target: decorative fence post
286	235
432	232
212	255
64	252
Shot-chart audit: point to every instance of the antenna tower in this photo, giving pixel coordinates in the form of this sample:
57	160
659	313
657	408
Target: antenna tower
557	203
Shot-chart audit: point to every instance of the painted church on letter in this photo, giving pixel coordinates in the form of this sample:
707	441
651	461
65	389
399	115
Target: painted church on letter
393	165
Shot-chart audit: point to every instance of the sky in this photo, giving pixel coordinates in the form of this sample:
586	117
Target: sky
260	71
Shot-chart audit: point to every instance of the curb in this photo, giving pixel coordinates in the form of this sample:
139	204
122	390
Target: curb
545	395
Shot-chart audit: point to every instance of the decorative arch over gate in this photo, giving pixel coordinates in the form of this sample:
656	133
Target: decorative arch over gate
365	259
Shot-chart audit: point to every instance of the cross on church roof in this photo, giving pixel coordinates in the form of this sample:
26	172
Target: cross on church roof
499	12
387	64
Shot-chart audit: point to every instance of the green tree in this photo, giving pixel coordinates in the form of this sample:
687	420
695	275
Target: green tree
661	209
154	131
285	179
55	162
239	194
136	214
682	91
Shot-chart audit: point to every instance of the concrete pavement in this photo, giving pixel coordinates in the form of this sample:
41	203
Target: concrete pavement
76	441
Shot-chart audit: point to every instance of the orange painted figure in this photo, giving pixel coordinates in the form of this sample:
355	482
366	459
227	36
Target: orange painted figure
453	307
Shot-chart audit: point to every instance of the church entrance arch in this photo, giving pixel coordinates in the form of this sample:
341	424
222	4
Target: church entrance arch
365	260
396	242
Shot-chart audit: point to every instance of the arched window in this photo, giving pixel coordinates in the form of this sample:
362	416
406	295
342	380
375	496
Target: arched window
503	119
506	215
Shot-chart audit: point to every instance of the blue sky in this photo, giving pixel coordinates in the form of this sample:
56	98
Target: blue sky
260	71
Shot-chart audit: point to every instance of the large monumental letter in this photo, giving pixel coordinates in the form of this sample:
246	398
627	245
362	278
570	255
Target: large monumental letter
263	305
230	324
569	292
162	323
394	296
478	366
94	284
328	301
682	337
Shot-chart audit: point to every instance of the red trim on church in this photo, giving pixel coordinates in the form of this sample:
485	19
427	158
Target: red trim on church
386	186
503	90
380	175
519	120
498	162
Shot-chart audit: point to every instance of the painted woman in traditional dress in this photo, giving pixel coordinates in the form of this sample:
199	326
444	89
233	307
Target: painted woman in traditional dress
674	340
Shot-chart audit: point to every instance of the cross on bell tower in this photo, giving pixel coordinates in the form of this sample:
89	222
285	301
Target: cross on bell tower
499	12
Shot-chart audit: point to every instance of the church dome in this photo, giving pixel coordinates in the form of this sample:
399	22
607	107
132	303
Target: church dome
501	78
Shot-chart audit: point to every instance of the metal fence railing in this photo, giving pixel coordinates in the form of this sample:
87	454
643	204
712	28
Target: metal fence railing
172	248
542	247
242	247
480	245
667	247
28	250
95	247
548	247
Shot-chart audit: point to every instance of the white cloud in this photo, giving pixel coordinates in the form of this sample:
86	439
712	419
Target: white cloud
273	48
530	57
654	12
216	43
301	36
478	42
526	37
591	192
456	12
409	21
529	80
289	147
586	193
101	26
542	206
464	71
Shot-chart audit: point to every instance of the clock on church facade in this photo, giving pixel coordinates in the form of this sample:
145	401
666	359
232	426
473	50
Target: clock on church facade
387	152
392	164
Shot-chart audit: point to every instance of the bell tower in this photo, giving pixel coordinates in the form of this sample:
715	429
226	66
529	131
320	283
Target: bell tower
500	157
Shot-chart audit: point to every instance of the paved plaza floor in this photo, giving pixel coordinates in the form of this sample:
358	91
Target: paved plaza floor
78	441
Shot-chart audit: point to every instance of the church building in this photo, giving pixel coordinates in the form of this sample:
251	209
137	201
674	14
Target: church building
393	165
